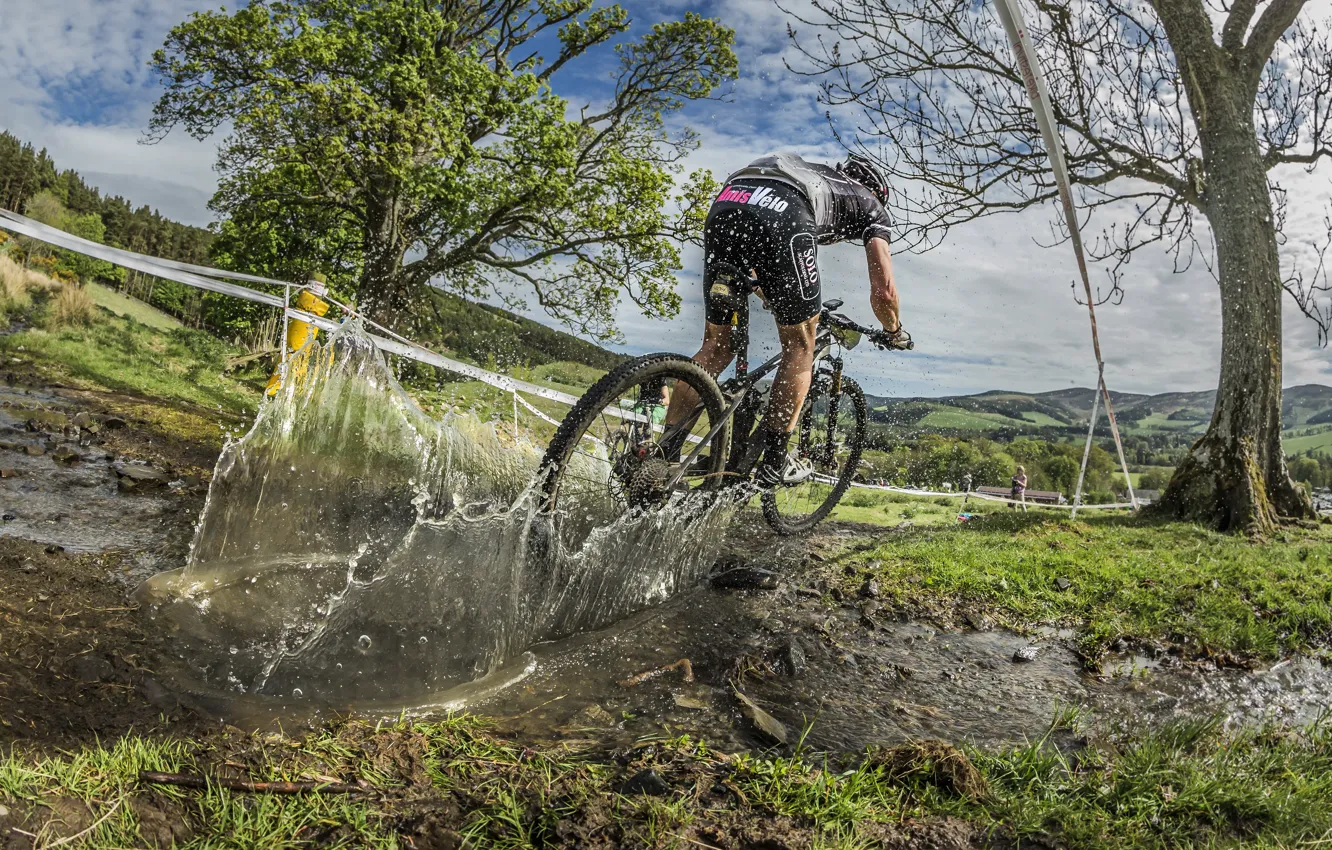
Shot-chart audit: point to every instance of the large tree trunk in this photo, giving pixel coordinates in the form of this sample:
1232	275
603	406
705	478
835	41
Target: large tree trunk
1235	476
384	292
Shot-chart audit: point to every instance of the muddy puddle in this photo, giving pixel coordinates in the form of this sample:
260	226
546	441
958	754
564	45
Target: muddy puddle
355	556
60	487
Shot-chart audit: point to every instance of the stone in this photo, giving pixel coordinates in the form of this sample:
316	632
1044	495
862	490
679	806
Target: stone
870	589
1026	653
91	669
768	727
158	696
978	621
35	449
113	422
54	549
646	782
8	517
791	657
746	578
1062	583
46	420
594	715
65	454
83	419
141	474
9	472
688	702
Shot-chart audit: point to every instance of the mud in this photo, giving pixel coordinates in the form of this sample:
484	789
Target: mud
79	659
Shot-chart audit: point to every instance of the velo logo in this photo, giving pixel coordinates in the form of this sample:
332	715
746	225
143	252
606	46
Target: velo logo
762	197
805	255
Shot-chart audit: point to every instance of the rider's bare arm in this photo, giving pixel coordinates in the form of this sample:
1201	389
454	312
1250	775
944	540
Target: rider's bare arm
883	289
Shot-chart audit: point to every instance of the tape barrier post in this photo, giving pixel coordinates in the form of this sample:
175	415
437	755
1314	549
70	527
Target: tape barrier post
1086	451
1019	37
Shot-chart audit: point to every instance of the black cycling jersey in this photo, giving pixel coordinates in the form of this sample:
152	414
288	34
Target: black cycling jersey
843	208
771	217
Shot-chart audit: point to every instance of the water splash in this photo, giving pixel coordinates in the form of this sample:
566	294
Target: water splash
353	548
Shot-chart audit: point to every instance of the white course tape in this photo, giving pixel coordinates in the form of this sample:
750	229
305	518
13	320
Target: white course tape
907	491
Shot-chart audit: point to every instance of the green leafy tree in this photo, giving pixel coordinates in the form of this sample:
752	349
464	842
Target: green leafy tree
432	131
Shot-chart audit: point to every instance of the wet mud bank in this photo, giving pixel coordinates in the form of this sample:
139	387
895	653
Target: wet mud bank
100	492
97	492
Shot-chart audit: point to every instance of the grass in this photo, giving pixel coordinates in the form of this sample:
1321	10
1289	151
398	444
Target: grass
125	306
877	507
1187	785
1321	441
1148	582
122	355
951	417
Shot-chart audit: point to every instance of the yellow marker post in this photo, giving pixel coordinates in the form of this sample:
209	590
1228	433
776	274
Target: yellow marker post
300	333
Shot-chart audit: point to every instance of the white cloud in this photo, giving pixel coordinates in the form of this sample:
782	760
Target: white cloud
74	78
988	309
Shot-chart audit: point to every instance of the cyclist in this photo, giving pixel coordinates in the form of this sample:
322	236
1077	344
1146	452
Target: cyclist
768	221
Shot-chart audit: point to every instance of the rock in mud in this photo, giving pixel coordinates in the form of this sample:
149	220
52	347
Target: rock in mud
870	589
690	703
35	449
594	716
134	476
91	669
1026	653
1062	583
65	454
83	419
646	782
768	727
8	472
158	696
113	422
46	420
746	578
791	658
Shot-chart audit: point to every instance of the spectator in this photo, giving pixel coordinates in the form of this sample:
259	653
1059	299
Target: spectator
966	482
1019	493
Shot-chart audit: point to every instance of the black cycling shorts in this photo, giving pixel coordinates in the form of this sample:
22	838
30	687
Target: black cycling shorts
767	226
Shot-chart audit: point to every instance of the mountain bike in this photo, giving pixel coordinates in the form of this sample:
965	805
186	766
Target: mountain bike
613	445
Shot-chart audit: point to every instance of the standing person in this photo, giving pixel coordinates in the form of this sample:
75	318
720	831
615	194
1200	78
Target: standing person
966	482
1019	493
770	219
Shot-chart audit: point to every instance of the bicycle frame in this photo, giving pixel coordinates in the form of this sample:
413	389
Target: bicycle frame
738	389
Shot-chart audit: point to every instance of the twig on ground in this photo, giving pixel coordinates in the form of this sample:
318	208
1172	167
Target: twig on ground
682	664
186	781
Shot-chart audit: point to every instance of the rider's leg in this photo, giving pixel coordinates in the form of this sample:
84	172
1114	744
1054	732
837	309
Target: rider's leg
714	356
791	384
789	388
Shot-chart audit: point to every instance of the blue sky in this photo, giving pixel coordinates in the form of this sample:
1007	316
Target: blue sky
989	308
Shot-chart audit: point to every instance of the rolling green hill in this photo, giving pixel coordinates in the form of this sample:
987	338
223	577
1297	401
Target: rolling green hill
1179	414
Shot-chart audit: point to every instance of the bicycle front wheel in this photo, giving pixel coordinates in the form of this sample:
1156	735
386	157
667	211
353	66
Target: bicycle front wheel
613	453
823	460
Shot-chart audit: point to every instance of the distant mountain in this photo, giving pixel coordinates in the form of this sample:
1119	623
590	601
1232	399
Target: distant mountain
1008	411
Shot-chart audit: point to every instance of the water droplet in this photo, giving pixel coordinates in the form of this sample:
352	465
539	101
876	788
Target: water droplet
233	650
363	642
422	640
297	693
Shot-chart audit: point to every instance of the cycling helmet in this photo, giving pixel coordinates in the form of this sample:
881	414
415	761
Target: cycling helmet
865	172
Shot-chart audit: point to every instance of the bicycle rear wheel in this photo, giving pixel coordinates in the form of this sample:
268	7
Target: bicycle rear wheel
611	454
823	460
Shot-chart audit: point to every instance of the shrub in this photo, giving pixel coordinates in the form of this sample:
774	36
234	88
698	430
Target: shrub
201	345
70	307
13	285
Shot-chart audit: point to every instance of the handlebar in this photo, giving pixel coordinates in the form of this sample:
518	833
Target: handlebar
880	338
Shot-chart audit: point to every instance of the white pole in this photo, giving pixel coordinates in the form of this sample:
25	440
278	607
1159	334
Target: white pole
1086	451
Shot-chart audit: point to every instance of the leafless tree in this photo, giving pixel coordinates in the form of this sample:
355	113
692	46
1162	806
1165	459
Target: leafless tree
1168	109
